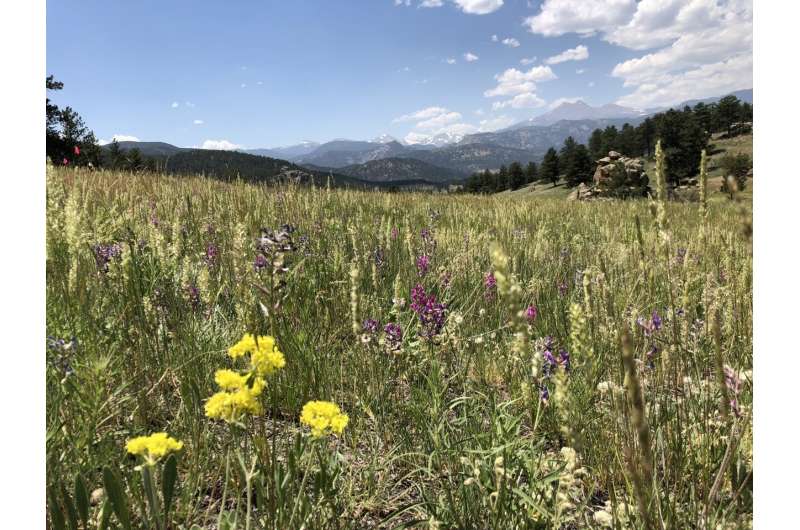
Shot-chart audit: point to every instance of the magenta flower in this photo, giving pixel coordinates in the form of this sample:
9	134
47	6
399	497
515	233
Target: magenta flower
423	262
531	312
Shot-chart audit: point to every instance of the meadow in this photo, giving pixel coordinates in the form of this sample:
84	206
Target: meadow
503	362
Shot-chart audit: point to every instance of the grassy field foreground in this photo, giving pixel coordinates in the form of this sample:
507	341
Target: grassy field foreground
503	362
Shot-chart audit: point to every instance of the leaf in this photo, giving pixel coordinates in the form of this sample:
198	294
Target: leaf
169	477
56	515
82	500
117	497
72	515
105	515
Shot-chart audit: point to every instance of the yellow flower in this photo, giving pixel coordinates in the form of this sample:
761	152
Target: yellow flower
230	380
246	345
153	447
231	406
266	361
324	418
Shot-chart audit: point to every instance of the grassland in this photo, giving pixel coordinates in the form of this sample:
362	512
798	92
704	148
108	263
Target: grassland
623	401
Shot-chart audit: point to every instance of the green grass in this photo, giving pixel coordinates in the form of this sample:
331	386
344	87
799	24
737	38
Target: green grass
449	431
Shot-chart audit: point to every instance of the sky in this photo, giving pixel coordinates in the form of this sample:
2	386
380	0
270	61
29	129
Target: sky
251	74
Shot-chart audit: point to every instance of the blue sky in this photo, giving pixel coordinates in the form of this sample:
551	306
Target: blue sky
269	73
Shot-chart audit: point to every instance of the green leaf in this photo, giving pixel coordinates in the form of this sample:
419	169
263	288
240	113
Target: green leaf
82	500
169	476
116	495
56	515
72	515
105	515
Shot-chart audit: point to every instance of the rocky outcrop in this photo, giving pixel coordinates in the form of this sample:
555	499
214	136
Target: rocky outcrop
616	176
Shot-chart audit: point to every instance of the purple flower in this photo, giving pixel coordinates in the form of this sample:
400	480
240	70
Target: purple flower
650	356
544	394
423	262
370	325
549	362
734	385
650	325
394	335
104	253
563	359
395	232
193	294
430	312
211	255
444	280
260	262
379	256
428	241
562	288
531	312
490	285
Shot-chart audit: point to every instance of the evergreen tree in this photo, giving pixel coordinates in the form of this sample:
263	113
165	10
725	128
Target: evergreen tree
728	112
597	144
549	169
579	167
134	160
516	176
628	141
115	155
501	179
531	172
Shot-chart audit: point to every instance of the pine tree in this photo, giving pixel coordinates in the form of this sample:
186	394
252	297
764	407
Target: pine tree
516	176
531	172
549	170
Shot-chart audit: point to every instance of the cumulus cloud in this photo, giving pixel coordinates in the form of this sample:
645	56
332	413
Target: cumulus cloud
495	38
513	81
528	100
555	103
119	138
498	122
685	40
472	7
578	53
220	145
470	57
175	105
430	117
450	60
585	17
525	61
479	7
511	42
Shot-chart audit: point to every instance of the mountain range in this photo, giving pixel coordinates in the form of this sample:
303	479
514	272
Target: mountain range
442	159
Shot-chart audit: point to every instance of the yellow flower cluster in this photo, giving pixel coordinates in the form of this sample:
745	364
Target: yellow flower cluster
324	418
240	391
153	447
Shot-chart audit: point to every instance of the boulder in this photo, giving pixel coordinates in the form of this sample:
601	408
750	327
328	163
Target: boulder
613	155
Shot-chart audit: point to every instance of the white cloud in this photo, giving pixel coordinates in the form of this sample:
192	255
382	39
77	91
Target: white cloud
511	42
584	17
591	84
704	81
578	53
190	104
402	2
525	61
198	122
498	122
430	117
259	82
470	57
696	48
579	71
528	100
175	105
514	81
559	101
244	85
450	60
494	38
431	3
479	7
119	138
220	145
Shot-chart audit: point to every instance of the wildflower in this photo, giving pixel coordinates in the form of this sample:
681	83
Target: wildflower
563	359
562	288
267	359
651	325
65	162
230	380
259	263
104	253
211	255
153	447
231	406
423	262
395	232
394	335
531	312
324	418
370	325
734	384
194	295
76	150
430	312
490	285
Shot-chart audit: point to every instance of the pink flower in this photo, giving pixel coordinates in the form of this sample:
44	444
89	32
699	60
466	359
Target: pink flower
77	150
65	162
531	312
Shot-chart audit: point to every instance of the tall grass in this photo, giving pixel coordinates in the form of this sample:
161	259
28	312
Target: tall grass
493	420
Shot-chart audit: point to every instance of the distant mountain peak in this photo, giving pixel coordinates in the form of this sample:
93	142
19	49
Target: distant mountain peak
384	139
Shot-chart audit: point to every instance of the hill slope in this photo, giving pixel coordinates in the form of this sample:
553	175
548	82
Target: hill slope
401	169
